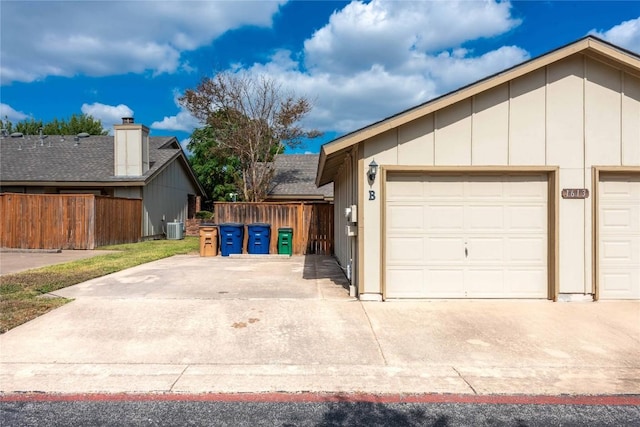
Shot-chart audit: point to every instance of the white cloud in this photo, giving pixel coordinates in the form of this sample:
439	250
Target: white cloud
391	32
183	121
377	59
11	114
626	34
109	115
99	38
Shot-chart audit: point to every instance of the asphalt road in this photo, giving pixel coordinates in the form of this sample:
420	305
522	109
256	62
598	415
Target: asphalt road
333	413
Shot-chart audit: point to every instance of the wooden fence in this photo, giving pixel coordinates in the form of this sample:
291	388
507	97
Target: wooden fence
73	221
312	223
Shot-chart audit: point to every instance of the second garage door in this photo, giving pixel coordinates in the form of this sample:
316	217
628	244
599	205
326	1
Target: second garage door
466	236
619	236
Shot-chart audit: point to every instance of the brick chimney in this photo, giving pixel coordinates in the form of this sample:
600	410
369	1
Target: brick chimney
131	148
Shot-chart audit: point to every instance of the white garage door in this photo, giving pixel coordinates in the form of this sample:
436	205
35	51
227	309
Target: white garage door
619	235
466	236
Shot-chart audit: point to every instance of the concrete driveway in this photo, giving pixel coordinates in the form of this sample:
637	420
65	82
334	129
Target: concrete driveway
189	325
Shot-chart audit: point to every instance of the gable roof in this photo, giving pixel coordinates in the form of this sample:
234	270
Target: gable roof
294	178
57	160
333	152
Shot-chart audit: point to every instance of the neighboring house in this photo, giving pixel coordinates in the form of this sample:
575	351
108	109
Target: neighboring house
294	180
129	164
525	184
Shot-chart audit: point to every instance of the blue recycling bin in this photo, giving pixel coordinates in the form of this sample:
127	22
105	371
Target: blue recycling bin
231	237
259	238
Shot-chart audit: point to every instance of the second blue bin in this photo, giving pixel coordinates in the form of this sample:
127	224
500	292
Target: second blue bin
231	237
259	238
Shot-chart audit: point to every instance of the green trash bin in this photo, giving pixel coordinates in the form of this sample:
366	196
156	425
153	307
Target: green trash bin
285	241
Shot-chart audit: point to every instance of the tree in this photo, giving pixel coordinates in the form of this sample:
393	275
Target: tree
214	167
252	120
76	124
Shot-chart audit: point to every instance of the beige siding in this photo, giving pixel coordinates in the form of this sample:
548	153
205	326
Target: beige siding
416	142
453	135
602	115
166	195
384	149
565	114
345	195
490	139
630	119
527	145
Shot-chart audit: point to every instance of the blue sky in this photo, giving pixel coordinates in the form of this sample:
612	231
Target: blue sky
357	61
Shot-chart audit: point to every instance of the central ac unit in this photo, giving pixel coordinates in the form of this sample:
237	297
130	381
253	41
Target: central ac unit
174	231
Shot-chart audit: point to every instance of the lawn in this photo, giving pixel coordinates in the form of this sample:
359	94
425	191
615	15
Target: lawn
25	296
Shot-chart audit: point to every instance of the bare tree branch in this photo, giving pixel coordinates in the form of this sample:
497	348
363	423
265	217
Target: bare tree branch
252	118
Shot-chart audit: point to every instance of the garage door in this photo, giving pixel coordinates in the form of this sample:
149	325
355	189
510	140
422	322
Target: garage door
466	236
619	237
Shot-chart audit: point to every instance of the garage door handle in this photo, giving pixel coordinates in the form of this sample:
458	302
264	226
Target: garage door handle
466	252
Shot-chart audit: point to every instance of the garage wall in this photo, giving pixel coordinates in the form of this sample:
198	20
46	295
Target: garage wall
345	194
573	114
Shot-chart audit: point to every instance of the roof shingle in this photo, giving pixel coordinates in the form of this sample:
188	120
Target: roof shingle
59	159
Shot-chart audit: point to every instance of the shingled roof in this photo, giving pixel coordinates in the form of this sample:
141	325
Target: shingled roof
58	159
294	178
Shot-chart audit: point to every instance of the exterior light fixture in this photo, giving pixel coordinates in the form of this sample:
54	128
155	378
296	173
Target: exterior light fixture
373	170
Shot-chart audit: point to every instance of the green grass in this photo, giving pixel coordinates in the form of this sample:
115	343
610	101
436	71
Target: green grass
22	294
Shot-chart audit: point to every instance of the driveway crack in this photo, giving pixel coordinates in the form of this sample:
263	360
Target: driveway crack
465	380
384	359
179	377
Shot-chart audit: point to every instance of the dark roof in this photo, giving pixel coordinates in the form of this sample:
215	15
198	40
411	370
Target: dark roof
295	176
58	159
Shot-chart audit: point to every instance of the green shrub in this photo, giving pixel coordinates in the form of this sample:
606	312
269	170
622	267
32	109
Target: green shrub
204	215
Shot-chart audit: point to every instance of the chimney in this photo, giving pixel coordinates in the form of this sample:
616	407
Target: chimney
130	148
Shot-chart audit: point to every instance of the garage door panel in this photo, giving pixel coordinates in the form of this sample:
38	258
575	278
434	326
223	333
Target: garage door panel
525	282
484	282
620	250
527	249
485	249
406	250
405	218
526	188
620	219
444	250
444	219
484	188
531	218
619	237
483	218
620	188
405	187
501	221
444	188
444	283
405	282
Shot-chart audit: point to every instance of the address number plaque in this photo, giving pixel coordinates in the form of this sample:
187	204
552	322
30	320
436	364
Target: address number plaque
575	193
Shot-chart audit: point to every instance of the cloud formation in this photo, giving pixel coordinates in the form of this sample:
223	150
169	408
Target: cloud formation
11	114
626	34
372	60
100	38
183	121
109	115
